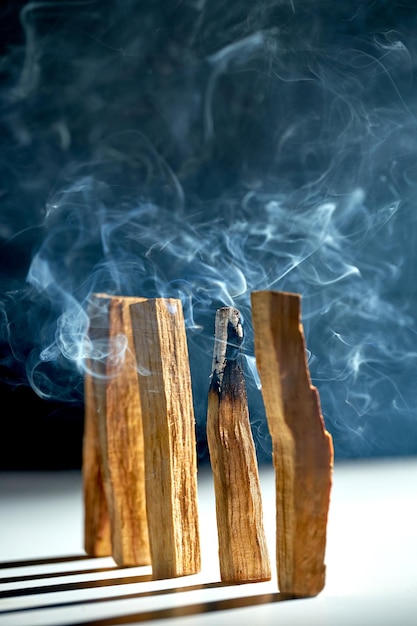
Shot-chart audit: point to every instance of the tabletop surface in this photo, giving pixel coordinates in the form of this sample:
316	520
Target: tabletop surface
371	559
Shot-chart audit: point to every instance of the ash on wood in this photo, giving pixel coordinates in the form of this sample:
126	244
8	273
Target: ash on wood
302	448
114	436
243	551
169	432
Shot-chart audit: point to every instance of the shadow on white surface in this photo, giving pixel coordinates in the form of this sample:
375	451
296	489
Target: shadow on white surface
371	560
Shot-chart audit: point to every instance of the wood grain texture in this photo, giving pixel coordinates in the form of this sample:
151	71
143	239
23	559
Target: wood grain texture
302	448
243	552
119	427
169	432
97	539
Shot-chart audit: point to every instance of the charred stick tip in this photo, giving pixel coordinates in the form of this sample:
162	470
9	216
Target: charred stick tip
228	338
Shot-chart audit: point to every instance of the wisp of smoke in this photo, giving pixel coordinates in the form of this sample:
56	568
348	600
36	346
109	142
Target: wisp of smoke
201	151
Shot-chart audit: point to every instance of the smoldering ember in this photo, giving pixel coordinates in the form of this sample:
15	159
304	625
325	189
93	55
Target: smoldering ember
202	151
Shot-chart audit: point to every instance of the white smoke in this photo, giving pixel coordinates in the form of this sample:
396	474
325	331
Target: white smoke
203	151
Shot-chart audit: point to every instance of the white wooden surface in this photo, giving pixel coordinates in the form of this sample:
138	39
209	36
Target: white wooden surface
371	560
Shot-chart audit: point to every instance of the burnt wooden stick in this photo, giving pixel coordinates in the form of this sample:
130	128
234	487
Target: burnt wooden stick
113	398
243	551
169	433
302	448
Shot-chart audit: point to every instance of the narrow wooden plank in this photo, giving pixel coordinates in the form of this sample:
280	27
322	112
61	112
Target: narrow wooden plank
243	551
169	432
302	448
97	539
119	428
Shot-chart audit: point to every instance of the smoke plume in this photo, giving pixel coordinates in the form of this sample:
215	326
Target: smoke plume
203	150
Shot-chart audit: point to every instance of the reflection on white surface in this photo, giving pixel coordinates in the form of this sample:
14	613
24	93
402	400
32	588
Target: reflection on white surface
371	559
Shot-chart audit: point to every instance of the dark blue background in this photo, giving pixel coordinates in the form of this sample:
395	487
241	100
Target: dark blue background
183	148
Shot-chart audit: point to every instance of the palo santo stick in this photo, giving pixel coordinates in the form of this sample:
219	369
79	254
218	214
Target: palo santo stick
302	448
119	428
169	432
97	540
243	551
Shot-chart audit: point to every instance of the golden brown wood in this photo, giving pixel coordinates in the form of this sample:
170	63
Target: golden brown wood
119	427
97	540
243	551
169	432
302	448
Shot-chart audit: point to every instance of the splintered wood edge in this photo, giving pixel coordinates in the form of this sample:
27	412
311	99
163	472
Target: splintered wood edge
302	448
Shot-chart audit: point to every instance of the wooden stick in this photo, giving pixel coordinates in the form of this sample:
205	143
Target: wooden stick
169	432
97	539
243	551
302	448
112	389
